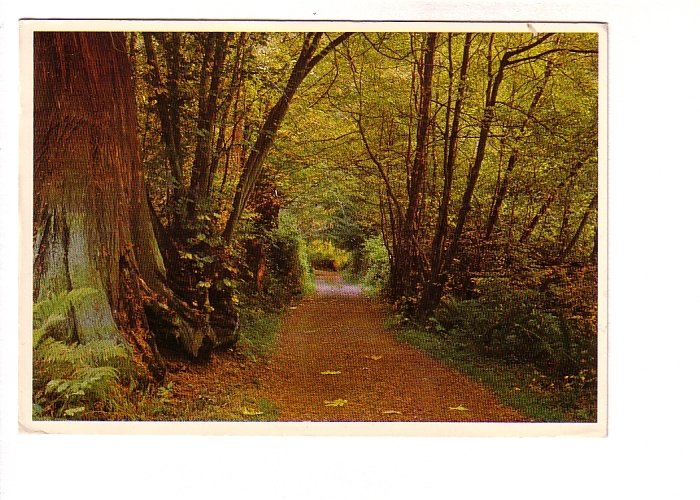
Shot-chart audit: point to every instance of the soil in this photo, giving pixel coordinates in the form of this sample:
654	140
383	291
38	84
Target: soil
335	361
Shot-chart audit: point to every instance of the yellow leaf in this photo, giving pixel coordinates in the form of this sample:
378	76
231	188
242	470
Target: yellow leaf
459	408
391	412
249	411
330	372
336	402
374	357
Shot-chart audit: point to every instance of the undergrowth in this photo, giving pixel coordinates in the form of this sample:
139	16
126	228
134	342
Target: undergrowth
71	380
225	401
232	406
258	333
539	396
372	266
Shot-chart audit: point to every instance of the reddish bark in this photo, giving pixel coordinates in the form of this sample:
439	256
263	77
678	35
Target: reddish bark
90	213
92	224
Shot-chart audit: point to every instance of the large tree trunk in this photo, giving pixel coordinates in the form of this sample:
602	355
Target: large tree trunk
91	220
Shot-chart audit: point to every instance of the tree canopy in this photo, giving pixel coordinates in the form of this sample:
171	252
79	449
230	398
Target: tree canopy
439	163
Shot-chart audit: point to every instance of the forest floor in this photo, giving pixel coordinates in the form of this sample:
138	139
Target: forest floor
334	361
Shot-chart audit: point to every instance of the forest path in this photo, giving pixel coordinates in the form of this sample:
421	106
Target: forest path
335	361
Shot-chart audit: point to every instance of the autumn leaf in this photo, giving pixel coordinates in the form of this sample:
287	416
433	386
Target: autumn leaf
459	408
374	357
336	402
330	372
249	411
391	412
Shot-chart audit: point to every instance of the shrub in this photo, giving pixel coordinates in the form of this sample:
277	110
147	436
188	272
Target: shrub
511	323
289	256
325	255
375	264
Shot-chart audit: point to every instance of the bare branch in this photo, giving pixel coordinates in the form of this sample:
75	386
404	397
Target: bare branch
511	62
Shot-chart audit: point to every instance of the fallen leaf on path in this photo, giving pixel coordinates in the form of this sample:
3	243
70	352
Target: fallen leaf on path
249	411
459	408
374	357
391	412
336	402
330	372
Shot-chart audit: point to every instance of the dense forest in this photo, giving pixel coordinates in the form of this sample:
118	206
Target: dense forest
187	185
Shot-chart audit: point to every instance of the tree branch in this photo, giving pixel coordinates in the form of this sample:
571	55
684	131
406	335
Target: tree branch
511	62
333	44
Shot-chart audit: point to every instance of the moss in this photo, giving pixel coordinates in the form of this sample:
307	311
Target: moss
93	316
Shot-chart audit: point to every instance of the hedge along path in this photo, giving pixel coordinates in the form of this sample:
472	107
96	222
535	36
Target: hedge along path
335	361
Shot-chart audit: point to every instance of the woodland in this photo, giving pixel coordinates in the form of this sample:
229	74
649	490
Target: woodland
189	187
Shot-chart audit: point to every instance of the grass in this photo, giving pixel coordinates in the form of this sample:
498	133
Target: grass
308	286
258	333
517	385
351	277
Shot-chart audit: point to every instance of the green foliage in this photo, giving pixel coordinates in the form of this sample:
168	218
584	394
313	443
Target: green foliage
513	324
258	333
325	255
72	380
49	315
328	181
374	265
291	271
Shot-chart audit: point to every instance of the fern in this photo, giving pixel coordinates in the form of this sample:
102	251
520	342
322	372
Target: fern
72	379
57	305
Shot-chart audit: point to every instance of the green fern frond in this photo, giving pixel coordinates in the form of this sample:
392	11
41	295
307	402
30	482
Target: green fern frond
70	377
58	304
100	353
87	375
39	333
53	351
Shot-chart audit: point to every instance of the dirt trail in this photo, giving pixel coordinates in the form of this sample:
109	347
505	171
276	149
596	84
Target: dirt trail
340	330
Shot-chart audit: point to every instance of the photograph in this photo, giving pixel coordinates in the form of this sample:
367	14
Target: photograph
340	227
